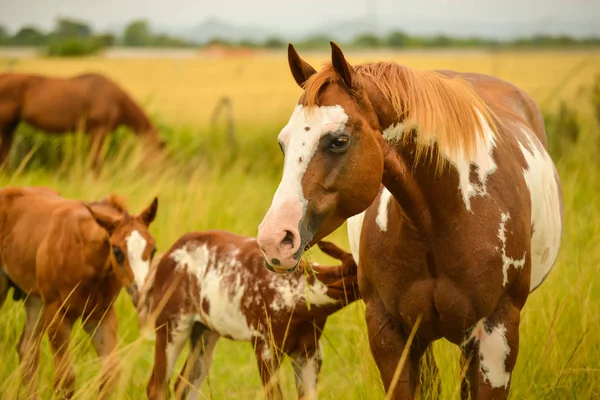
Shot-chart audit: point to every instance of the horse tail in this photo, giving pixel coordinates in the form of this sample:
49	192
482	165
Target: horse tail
144	305
342	280
430	377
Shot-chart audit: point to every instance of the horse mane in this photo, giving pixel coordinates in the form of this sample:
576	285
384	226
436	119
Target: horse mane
114	201
442	110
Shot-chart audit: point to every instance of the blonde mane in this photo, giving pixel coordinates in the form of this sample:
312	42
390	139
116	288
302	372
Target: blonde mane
441	110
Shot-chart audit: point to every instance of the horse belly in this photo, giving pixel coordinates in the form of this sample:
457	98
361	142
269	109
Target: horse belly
52	114
546	208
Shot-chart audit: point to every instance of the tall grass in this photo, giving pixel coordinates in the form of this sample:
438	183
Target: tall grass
202	186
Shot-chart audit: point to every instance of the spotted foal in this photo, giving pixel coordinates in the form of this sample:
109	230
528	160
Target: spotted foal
213	284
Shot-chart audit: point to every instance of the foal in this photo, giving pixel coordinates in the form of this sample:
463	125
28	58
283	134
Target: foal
213	284
69	260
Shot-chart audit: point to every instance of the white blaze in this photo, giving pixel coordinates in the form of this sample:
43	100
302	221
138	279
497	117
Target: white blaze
136	245
301	138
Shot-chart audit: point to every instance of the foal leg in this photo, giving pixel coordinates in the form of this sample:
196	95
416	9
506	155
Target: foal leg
8	134
197	365
104	339
387	342
307	365
170	339
29	345
59	332
98	138
492	349
268	367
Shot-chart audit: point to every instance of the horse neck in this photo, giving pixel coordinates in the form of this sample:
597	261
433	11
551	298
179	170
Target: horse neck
135	118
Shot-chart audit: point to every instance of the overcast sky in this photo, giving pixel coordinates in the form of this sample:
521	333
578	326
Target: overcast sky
296	15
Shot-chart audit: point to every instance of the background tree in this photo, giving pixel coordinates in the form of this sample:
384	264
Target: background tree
138	33
29	36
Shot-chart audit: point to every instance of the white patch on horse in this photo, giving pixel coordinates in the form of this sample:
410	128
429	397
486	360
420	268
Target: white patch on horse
221	283
306	370
507	261
136	245
355	224
179	333
542	180
382	210
394	133
301	139
493	350
291	290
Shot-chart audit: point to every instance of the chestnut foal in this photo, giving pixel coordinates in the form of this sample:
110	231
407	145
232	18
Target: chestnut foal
213	284
68	260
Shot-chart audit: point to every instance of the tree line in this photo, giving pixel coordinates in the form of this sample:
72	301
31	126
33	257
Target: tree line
72	37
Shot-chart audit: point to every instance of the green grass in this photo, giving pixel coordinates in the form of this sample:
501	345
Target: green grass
203	186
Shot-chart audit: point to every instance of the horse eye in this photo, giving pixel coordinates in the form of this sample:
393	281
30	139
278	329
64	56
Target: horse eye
339	143
281	147
119	255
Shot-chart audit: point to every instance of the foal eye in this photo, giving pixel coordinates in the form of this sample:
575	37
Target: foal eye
281	147
119	255
339	143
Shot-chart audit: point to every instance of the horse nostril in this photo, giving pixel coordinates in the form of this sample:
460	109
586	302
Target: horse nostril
288	240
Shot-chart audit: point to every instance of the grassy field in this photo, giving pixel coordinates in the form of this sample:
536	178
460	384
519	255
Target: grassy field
203	186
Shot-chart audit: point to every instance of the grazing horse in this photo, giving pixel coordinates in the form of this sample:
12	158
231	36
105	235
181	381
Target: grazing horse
213	284
68	260
468	221
90	102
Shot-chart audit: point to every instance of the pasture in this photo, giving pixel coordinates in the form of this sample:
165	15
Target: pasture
203	185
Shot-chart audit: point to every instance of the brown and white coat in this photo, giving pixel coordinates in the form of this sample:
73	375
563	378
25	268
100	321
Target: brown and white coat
214	284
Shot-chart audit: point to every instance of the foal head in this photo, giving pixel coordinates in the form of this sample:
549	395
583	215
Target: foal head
333	165
132	247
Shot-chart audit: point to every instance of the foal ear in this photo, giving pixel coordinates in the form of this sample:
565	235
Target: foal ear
340	65
301	70
149	213
107	222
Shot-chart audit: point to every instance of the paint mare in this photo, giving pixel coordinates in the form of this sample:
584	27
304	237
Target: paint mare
468	223
69	260
90	102
213	284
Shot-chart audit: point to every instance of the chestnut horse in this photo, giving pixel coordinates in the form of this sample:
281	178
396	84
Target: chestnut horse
90	102
468	223
213	284
69	260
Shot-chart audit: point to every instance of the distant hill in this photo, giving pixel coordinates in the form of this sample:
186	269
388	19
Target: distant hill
344	31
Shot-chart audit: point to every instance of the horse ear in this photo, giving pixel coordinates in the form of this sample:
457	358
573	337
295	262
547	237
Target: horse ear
149	213
301	70
340	65
107	222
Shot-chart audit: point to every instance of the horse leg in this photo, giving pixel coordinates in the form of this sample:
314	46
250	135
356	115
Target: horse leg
8	134
4	286
492	350
268	368
29	345
98	138
307	365
387	342
197	365
59	332
170	339
104	339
